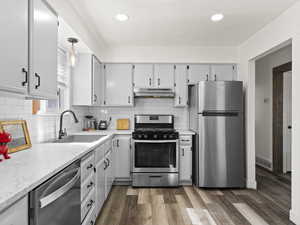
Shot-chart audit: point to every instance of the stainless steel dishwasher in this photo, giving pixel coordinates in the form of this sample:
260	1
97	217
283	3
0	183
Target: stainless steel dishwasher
57	201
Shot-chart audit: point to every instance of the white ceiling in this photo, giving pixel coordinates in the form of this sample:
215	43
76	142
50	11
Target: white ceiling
178	22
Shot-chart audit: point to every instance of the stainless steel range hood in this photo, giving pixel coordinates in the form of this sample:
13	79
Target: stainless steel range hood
154	93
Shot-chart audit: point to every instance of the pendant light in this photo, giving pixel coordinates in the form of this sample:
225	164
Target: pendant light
72	51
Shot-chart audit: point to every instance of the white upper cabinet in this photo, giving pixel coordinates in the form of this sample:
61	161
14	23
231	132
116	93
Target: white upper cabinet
118	90
98	82
14	46
87	80
198	72
143	76
164	75
223	72
44	44
180	85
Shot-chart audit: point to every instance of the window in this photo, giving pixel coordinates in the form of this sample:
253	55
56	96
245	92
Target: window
55	106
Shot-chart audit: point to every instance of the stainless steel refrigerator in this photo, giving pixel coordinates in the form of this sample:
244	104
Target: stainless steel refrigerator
216	115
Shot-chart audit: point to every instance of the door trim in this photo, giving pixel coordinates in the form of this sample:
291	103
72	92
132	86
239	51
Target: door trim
277	141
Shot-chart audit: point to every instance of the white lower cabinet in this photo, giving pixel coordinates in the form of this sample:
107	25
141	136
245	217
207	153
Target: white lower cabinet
186	159
122	146
104	173
16	214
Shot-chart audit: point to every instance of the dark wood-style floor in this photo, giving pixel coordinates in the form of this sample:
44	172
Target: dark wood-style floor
270	204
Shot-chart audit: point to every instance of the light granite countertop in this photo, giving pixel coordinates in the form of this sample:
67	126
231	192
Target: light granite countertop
125	132
29	168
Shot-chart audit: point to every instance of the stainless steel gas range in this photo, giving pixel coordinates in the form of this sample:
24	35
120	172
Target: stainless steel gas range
155	152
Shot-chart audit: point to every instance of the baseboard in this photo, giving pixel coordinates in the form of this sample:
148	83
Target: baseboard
251	184
264	163
294	218
122	181
186	183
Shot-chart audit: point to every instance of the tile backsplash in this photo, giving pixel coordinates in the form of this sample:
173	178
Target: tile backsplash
143	106
41	127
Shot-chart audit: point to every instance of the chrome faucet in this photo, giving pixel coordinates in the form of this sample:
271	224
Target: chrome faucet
62	132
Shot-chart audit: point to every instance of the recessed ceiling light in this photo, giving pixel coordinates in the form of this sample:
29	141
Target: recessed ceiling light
121	17
217	17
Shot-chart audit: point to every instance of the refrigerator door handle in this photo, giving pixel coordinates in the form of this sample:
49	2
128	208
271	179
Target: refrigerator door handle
229	114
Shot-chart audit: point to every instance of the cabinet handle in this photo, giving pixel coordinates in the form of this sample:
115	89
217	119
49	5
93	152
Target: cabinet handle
206	77
90	185
89	166
90	204
158	81
105	164
179	100
150	81
215	77
183	152
118	144
129	99
26	77
92	222
95	98
39	81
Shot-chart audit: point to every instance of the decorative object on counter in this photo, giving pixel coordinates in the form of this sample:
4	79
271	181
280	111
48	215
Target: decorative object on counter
90	123
5	138
104	124
123	124
19	134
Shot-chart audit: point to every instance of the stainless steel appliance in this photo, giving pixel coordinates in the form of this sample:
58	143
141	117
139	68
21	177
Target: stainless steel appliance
57	201
155	152
216	115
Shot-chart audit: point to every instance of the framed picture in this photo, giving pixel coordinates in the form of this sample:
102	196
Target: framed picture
19	132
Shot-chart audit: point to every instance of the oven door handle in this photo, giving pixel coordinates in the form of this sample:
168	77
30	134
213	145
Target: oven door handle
155	141
59	192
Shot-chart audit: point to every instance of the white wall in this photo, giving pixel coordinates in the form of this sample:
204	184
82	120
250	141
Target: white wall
172	54
264	101
280	30
144	106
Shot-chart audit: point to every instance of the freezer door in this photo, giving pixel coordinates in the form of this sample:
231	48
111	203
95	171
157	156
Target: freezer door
220	96
221	160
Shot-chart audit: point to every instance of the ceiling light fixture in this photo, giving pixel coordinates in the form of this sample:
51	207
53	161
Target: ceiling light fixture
217	17
72	51
121	17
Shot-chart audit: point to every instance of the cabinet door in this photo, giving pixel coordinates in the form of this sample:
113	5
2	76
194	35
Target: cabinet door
118	91
98	91
198	72
185	163
44	51
100	185
223	72
122	157
109	174
17	214
164	75
14	46
143	75
180	85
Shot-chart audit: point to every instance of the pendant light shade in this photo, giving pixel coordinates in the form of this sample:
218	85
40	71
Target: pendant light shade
72	51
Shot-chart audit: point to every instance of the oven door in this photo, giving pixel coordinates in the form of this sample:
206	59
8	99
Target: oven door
155	156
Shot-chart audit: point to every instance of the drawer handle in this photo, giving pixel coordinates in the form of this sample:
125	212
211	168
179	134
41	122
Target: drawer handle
90	204
26	77
89	166
92	222
184	140
39	81
90	185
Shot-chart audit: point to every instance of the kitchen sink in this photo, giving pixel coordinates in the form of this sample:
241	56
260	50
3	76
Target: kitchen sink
79	139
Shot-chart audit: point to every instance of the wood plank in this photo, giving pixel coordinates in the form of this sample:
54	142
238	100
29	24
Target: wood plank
250	214
174	214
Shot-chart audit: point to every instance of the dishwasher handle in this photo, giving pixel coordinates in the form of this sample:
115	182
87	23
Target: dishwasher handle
59	192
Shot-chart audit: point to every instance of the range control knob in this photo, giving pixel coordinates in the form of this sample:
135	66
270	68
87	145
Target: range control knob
165	136
155	136
145	136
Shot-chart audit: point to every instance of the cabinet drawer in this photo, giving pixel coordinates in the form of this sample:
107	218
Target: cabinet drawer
88	204
99	153
90	218
186	140
87	166
87	186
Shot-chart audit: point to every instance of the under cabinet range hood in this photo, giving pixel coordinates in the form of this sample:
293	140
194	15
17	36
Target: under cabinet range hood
154	93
